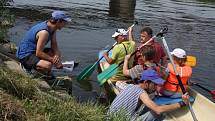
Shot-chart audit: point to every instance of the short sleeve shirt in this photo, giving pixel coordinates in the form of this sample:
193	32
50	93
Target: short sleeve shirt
118	55
159	53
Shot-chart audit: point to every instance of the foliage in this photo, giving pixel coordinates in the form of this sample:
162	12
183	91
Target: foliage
6	19
10	108
21	99
17	84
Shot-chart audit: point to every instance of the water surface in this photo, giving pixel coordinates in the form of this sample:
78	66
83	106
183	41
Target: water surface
191	27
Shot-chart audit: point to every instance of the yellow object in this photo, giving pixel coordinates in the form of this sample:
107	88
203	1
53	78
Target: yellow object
191	60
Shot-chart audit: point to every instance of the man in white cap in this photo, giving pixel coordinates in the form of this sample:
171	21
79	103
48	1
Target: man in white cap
32	52
125	45
133	96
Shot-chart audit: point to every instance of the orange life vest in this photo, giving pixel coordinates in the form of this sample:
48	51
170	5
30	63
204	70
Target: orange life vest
171	83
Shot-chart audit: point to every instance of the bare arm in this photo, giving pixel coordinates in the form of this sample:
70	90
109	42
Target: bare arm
156	108
54	45
41	41
130	35
125	65
108	59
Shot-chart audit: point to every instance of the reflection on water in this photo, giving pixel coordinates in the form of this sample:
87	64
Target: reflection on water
191	26
122	8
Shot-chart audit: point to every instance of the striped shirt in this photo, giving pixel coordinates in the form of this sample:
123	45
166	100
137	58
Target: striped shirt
127	101
137	70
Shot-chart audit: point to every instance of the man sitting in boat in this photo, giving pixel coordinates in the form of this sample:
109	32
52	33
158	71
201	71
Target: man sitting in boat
133	96
160	56
147	54
125	45
171	87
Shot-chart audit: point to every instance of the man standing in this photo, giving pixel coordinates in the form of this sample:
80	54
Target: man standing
160	56
133	96
32	53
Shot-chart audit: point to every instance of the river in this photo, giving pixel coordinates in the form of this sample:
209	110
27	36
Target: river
191	26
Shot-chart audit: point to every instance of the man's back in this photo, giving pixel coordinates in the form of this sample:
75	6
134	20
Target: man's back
127	100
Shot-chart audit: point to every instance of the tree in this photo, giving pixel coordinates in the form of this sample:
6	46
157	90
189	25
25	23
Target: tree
6	20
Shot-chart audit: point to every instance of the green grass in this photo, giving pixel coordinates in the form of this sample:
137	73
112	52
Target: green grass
24	101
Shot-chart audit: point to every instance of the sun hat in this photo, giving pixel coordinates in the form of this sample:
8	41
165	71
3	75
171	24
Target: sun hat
178	52
119	32
151	75
60	15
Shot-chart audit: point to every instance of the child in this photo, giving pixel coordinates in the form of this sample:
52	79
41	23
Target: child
171	87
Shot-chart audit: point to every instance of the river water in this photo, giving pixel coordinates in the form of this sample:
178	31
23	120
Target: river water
191	26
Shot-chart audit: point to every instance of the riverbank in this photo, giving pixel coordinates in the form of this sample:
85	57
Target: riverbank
24	98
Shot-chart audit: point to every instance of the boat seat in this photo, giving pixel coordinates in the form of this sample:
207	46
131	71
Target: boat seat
159	100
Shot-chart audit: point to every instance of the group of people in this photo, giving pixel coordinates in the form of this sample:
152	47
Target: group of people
139	76
145	73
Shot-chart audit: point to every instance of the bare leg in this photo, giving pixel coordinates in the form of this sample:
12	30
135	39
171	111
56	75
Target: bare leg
44	66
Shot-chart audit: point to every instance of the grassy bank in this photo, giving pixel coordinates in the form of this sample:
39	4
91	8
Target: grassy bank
21	99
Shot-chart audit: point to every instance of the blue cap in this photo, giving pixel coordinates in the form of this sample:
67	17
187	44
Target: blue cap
152	75
60	15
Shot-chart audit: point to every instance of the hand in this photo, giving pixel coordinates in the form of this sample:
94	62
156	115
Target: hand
127	57
105	54
56	60
130	29
59	65
185	98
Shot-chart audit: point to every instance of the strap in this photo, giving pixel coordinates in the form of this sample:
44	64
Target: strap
125	49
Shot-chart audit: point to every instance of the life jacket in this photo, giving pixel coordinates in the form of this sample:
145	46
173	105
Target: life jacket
171	83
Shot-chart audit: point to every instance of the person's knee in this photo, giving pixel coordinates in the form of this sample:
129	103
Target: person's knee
44	65
48	65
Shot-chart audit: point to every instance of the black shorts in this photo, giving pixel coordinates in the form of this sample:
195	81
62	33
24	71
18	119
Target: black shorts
30	61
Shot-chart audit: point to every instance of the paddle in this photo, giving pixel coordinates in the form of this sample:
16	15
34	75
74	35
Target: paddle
86	73
178	77
111	71
212	92
89	69
191	60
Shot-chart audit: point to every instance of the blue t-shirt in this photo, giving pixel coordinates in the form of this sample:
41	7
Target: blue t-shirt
29	42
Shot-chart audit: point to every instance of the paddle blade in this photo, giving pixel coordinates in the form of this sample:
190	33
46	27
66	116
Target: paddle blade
107	74
86	73
191	60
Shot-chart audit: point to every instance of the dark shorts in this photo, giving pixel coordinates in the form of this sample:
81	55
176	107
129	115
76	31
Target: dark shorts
30	61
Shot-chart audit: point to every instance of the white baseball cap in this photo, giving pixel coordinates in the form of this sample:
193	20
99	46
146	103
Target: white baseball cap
178	52
119	32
